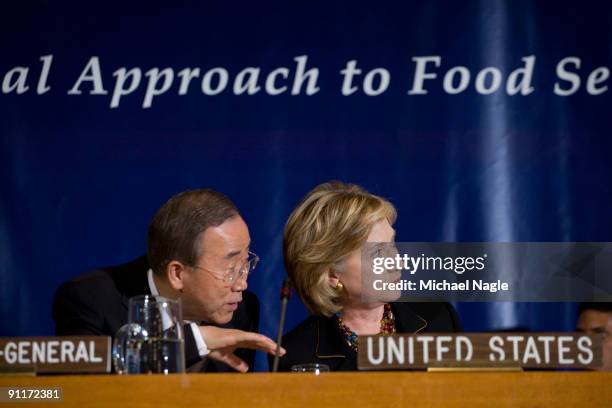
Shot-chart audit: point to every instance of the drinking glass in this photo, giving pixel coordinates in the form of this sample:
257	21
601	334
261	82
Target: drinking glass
315	368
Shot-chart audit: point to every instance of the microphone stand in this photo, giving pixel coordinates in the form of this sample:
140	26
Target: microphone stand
285	295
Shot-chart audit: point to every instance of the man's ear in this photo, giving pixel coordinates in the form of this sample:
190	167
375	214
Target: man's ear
175	272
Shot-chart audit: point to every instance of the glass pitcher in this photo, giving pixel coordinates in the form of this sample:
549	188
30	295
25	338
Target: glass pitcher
152	341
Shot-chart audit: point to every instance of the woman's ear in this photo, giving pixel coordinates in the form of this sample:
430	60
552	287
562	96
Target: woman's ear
332	277
175	272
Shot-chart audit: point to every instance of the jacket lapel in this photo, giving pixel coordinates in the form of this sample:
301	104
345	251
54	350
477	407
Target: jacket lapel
406	320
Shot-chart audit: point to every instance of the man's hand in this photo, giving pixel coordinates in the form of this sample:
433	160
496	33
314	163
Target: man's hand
223	342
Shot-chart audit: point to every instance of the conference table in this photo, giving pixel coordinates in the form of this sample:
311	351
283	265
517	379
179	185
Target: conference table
357	389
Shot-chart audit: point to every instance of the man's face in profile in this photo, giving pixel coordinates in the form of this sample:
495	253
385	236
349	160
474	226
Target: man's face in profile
207	294
598	322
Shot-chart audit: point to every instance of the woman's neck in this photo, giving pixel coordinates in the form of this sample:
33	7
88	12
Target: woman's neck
363	319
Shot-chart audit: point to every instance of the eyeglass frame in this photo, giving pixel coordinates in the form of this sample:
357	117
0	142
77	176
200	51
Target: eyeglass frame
231	279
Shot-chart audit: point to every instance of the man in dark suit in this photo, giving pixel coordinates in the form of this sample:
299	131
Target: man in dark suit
198	251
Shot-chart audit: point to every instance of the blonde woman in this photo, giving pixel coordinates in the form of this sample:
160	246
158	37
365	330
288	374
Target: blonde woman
322	246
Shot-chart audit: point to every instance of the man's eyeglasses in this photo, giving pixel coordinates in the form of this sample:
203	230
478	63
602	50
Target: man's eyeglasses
233	275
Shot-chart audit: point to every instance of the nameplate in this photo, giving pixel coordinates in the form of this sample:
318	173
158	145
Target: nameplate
65	354
503	350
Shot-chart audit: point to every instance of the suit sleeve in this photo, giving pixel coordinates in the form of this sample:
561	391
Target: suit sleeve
192	355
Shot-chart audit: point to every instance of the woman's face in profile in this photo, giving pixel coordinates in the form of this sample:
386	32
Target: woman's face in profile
350	273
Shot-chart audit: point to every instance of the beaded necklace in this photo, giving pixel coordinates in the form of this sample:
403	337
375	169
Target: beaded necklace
387	326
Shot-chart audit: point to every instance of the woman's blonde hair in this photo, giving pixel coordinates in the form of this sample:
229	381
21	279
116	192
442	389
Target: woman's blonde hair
333	220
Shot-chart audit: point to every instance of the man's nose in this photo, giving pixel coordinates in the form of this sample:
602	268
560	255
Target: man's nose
240	284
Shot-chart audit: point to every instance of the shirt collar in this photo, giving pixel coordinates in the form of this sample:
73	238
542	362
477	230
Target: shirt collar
151	281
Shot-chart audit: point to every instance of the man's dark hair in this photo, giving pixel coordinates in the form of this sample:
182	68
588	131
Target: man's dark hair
177	228
599	306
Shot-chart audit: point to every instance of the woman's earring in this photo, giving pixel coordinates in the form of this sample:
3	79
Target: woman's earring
339	286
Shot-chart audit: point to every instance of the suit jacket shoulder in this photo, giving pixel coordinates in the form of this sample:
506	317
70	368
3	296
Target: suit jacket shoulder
96	302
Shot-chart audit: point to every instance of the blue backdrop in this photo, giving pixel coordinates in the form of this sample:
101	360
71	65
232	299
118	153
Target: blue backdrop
80	179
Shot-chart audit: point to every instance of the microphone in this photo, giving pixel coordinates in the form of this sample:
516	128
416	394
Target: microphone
285	294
